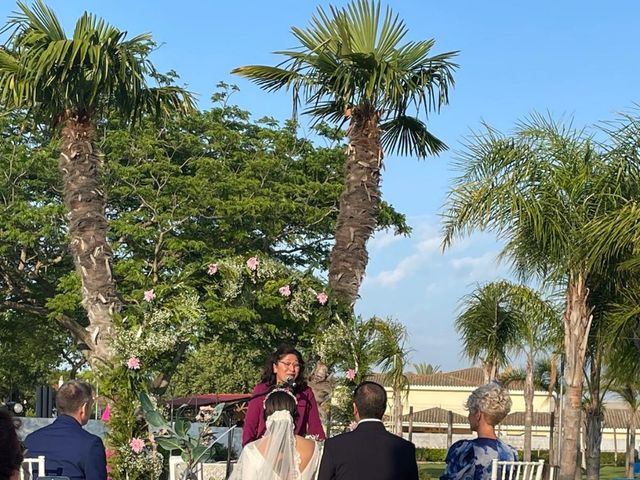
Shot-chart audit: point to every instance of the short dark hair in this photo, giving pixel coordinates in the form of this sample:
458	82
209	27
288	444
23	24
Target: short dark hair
283	350
11	452
280	400
370	399
72	395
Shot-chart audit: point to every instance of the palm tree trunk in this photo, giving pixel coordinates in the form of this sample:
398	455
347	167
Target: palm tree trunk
92	255
528	408
593	428
577	322
594	418
359	204
397	411
631	444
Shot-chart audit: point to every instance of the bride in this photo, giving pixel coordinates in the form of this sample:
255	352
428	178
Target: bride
280	454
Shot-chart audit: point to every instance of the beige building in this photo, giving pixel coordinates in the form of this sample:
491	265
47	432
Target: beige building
436	401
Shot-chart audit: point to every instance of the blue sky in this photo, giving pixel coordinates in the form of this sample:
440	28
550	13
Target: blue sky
572	59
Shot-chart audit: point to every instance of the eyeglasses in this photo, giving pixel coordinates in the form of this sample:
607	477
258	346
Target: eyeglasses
289	364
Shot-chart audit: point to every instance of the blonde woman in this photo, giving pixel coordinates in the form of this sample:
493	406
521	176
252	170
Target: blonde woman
488	405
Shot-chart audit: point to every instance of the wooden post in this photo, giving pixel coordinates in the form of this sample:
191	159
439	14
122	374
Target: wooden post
410	423
449	428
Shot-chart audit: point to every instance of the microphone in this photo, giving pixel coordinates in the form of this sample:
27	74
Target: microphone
290	382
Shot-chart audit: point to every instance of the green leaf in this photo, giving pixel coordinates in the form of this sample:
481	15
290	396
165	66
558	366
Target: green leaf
182	427
154	419
169	443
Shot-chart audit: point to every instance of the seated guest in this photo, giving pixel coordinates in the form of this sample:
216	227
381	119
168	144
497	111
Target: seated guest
10	448
70	450
488	405
368	452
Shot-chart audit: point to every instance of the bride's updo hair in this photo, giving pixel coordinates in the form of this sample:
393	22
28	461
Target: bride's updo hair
280	400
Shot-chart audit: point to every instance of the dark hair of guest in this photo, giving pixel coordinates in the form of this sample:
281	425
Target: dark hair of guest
11	453
280	401
283	350
371	400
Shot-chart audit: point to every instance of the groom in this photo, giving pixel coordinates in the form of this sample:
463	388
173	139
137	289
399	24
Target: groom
369	451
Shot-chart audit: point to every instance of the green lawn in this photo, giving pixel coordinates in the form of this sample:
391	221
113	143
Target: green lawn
432	471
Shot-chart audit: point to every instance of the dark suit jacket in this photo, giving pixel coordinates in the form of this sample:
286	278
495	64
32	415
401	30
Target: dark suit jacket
69	450
369	452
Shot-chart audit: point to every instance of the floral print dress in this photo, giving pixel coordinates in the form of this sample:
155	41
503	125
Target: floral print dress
471	459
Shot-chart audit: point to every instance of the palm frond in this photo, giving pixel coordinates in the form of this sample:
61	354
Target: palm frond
409	136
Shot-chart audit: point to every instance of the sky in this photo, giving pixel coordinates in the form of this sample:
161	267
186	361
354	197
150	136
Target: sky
570	59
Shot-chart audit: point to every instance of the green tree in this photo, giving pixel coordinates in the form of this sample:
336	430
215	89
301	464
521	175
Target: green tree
540	190
351	66
216	367
392	352
72	83
488	327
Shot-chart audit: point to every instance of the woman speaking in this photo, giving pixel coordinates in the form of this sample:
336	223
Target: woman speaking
283	368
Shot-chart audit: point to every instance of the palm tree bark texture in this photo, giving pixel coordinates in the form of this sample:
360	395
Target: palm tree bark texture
80	165
577	321
359	204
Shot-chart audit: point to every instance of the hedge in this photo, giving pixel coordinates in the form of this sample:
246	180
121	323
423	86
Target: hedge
439	455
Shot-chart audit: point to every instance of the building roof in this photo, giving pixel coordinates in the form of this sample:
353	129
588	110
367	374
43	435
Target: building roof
435	415
467	377
613	418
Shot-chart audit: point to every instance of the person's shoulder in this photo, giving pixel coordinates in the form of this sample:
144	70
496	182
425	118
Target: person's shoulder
339	439
260	388
459	449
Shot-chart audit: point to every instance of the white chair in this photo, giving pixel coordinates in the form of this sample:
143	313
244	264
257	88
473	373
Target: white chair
516	470
29	463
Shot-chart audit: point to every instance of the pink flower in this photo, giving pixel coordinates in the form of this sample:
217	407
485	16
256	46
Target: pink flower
285	291
106	415
149	295
322	298
351	374
213	269
109	452
252	263
133	363
353	425
137	445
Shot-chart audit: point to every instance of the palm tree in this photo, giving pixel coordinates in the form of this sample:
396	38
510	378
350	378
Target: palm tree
424	368
538	328
392	353
630	394
539	190
351	66
487	327
71	83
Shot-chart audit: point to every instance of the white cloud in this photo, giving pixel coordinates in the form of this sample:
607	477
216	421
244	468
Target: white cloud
383	239
479	268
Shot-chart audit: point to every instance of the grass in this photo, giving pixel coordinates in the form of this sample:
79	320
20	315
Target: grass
432	471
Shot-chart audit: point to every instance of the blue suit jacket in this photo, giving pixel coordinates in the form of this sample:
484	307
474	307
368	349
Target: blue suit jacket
69	450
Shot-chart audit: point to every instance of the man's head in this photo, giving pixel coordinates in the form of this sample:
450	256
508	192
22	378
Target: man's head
75	398
369	401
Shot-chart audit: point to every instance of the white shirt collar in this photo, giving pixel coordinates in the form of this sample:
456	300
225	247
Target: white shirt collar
369	420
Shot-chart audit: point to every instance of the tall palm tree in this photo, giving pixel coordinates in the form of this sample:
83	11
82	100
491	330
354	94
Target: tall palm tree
352	66
392	353
488	327
539	189
538	328
71	82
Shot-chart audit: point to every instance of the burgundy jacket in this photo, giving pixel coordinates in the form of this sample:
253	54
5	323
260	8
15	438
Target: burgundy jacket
307	423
